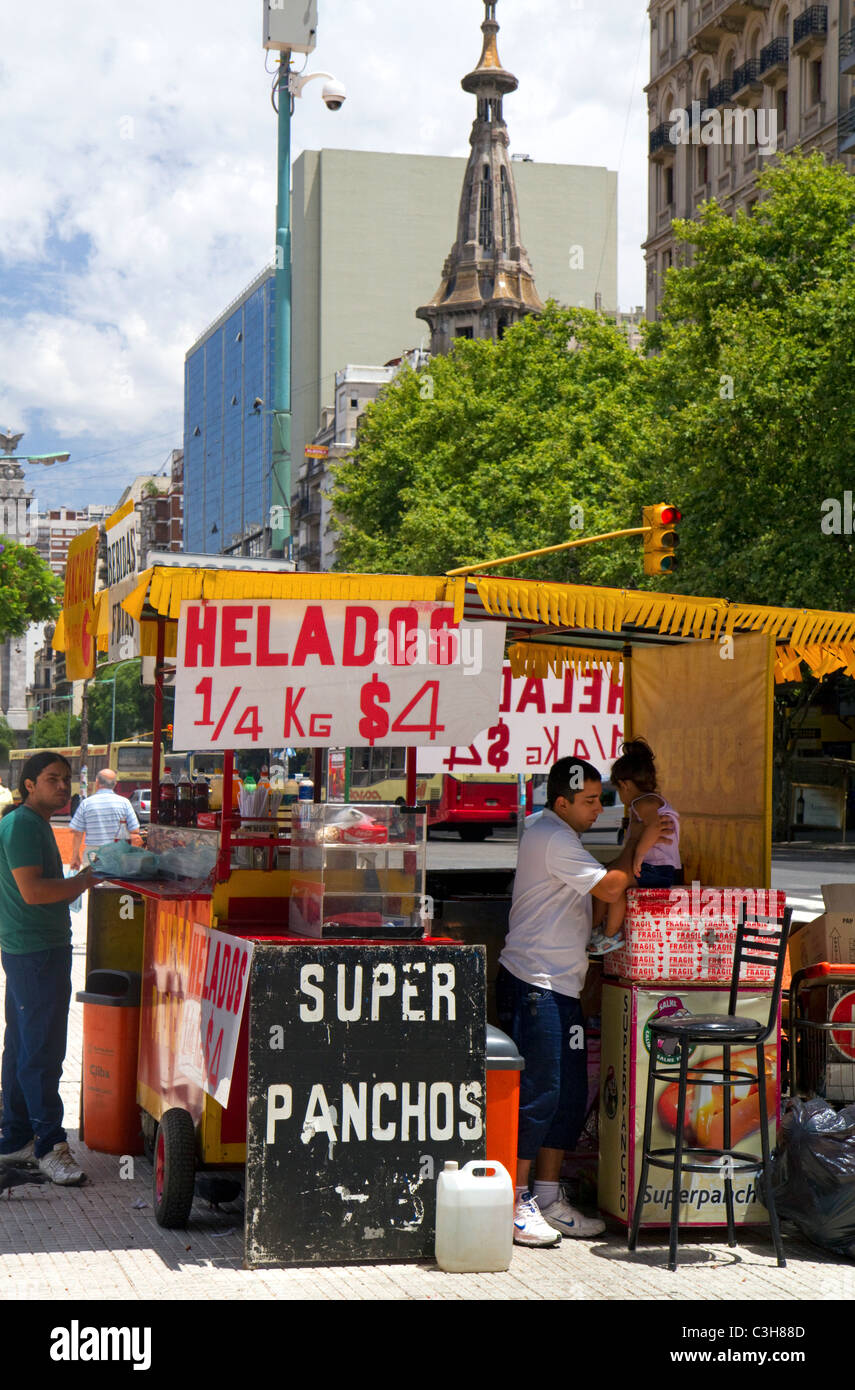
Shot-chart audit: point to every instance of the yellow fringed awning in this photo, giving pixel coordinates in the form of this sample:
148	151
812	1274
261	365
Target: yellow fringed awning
164	588
825	641
820	659
539	659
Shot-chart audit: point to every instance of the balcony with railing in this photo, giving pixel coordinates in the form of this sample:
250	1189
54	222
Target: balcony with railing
661	146
721	92
746	82
846	130
775	60
847	52
712	20
810	30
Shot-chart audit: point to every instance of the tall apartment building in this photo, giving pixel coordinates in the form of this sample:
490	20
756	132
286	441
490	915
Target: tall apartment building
762	66
57	527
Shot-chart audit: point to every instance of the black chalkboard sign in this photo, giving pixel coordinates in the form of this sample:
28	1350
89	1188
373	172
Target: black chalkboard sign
366	1073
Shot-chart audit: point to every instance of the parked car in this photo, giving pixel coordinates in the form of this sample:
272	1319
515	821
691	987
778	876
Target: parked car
141	802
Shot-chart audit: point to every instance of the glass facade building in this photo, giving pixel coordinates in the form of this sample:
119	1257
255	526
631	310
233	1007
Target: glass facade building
228	441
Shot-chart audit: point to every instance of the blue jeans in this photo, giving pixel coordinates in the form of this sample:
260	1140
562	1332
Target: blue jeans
38	993
656	876
549	1032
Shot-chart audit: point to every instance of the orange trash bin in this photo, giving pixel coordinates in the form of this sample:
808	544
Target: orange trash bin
504	1065
111	1022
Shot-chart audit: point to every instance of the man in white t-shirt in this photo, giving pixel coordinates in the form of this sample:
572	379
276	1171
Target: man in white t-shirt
542	970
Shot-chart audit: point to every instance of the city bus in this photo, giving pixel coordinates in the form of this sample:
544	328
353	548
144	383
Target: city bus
129	758
472	804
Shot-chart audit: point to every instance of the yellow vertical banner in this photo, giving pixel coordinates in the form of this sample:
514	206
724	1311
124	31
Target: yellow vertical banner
705	709
78	606
122	631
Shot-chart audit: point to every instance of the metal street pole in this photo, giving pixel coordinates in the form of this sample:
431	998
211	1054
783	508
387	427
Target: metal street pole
281	540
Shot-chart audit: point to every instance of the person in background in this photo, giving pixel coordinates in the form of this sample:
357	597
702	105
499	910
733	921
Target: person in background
35	952
103	817
6	798
542	970
654	863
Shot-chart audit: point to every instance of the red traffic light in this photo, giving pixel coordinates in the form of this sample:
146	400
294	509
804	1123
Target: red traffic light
669	515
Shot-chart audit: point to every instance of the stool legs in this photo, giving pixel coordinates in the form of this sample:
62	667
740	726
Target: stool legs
645	1145
728	1162
678	1153
767	1160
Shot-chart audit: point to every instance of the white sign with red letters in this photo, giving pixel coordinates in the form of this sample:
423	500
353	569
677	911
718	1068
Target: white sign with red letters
541	719
259	674
217	981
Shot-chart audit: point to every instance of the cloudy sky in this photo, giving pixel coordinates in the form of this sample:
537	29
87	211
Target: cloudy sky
137	148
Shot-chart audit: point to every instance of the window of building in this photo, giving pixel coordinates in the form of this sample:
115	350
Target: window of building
485	212
670	26
781	105
506	209
463	332
354	403
815	82
703	164
668	185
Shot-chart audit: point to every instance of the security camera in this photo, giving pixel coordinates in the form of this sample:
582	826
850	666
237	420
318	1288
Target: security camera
334	95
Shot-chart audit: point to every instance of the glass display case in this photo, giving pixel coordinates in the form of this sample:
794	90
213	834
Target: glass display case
358	873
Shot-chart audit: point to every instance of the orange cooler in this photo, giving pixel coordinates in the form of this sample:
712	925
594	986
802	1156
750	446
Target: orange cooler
111	1022
504	1065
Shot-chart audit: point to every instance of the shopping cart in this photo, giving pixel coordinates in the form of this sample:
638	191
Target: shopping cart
822	1033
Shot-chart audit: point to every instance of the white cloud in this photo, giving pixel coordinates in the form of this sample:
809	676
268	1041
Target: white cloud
147	134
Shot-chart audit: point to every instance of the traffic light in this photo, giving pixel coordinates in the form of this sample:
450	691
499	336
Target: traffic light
661	541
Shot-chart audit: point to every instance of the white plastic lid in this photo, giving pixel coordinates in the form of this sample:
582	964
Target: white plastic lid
450	1167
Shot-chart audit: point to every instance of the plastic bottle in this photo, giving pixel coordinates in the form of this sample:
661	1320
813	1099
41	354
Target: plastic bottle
264	779
201	794
474	1218
291	791
306	790
166	814
249	783
184	800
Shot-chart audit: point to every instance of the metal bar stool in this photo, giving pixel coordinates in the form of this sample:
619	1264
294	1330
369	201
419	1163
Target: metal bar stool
760	941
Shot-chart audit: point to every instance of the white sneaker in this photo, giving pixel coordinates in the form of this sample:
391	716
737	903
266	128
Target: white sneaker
570	1222
529	1226
25	1155
60	1167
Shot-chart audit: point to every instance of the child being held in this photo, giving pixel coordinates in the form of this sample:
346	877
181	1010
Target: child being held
655	862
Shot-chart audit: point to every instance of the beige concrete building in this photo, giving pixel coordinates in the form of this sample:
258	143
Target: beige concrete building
762	74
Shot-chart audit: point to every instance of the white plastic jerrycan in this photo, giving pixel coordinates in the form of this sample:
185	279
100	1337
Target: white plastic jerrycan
474	1218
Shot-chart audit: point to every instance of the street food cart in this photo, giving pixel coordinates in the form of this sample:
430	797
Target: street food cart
264	658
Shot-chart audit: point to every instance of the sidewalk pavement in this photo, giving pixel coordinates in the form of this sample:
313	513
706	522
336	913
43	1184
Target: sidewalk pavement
101	1242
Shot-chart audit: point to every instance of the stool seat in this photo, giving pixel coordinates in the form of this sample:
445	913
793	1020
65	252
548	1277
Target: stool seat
704	1130
723	1028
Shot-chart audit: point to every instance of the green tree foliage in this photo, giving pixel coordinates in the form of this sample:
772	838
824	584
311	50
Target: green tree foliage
52	731
754	390
134	704
498	449
7	739
29	590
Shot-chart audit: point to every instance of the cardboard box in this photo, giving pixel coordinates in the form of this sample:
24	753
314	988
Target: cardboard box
830	937
689	934
627	1009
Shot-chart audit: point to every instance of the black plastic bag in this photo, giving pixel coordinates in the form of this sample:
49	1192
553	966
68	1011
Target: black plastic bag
813	1173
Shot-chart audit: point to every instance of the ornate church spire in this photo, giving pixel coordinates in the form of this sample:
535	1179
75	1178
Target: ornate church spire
487	280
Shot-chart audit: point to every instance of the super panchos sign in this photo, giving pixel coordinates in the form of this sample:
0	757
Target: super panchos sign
260	674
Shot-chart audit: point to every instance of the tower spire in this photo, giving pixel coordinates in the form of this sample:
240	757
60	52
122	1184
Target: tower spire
487	280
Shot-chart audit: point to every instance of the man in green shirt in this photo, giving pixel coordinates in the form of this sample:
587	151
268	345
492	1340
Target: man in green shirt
35	952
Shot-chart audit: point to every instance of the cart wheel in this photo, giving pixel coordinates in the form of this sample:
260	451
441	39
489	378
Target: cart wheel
174	1169
148	1126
